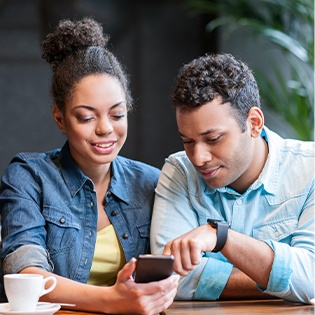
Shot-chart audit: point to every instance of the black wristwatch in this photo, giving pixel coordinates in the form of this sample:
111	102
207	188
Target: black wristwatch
222	228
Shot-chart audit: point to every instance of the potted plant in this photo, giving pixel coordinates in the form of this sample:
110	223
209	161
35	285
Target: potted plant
288	25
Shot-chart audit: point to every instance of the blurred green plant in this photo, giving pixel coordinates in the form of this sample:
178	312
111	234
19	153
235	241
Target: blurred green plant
289	25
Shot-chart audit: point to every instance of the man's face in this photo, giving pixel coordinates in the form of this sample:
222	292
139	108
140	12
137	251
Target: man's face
220	152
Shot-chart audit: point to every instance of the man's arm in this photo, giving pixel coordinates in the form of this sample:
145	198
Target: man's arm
251	256
288	262
240	286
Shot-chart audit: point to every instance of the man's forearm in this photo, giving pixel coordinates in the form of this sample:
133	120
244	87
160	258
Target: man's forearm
240	286
249	255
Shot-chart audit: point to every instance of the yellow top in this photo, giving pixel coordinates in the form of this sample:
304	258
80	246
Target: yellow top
108	258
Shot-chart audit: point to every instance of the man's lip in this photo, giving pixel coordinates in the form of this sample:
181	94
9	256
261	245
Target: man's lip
209	172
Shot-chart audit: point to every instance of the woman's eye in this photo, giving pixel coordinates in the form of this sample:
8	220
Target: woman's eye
118	116
85	119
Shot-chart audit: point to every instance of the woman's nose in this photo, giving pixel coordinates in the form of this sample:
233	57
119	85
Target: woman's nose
104	127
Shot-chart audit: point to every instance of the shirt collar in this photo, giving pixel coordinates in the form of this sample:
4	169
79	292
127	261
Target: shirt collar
269	175
75	179
72	175
118	183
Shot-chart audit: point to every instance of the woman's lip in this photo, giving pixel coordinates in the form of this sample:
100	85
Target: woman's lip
103	144
104	147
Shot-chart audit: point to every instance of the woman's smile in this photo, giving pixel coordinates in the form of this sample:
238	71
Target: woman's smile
104	147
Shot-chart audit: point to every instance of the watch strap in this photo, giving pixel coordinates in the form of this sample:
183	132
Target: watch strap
222	228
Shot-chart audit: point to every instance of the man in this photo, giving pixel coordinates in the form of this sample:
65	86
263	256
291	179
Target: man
236	209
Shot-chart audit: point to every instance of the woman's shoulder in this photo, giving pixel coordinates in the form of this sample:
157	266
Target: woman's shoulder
32	160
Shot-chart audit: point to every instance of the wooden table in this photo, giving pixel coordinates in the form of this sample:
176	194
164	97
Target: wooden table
255	307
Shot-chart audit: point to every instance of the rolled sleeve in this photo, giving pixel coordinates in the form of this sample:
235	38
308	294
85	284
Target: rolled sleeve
213	279
26	256
279	279
292	274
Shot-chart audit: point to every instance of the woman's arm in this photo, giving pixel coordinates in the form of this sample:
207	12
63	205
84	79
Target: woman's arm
124	297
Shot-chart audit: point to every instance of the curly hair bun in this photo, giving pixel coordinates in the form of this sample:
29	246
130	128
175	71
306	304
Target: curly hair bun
71	36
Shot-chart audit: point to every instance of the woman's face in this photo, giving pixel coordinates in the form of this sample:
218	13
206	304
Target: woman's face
94	121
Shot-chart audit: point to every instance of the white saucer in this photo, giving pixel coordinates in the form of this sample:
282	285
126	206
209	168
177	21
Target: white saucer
41	309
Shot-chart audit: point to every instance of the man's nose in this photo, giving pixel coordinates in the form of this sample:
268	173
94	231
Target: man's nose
201	154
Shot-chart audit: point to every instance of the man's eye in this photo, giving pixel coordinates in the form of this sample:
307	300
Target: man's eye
188	141
214	139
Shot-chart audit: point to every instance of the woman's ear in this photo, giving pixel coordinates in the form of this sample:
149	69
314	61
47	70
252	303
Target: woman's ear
256	121
58	117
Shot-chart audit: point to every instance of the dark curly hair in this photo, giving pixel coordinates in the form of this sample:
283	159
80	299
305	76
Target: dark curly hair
217	75
75	50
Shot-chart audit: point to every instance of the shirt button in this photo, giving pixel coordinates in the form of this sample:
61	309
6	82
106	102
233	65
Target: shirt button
113	213
62	220
125	236
109	194
92	203
277	233
86	261
239	201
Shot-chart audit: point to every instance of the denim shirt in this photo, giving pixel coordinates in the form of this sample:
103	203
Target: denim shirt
278	208
49	212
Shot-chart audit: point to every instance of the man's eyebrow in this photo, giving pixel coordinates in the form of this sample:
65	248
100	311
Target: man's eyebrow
205	133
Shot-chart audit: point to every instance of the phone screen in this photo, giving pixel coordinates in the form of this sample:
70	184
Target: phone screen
153	267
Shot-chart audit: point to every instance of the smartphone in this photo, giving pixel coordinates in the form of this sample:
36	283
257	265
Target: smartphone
153	267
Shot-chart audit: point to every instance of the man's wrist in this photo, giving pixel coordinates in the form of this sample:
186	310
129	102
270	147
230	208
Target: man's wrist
222	228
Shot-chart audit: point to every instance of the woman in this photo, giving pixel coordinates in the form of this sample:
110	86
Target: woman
82	212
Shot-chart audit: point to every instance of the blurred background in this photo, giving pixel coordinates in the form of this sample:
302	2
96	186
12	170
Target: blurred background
153	39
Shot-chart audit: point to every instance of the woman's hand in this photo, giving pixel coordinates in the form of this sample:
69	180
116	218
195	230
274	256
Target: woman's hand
142	298
124	297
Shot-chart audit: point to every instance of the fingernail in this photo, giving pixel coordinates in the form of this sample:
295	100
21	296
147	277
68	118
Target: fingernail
132	260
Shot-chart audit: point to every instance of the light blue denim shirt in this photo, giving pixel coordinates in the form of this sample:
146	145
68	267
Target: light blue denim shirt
277	208
49	212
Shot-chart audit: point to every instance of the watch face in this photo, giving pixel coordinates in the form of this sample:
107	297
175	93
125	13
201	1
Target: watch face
213	223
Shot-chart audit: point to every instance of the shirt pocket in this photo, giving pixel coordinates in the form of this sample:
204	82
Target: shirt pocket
144	230
144	239
62	229
276	230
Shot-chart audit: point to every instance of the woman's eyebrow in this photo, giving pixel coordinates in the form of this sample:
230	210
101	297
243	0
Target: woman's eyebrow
89	107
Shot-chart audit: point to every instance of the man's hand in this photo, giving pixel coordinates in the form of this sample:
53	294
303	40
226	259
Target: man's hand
187	248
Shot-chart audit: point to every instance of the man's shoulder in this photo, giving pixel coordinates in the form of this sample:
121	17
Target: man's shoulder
297	147
179	156
290	144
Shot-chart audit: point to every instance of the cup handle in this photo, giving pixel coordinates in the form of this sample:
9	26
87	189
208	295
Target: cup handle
53	285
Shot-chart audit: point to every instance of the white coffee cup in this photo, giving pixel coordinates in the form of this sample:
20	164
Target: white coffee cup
24	290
